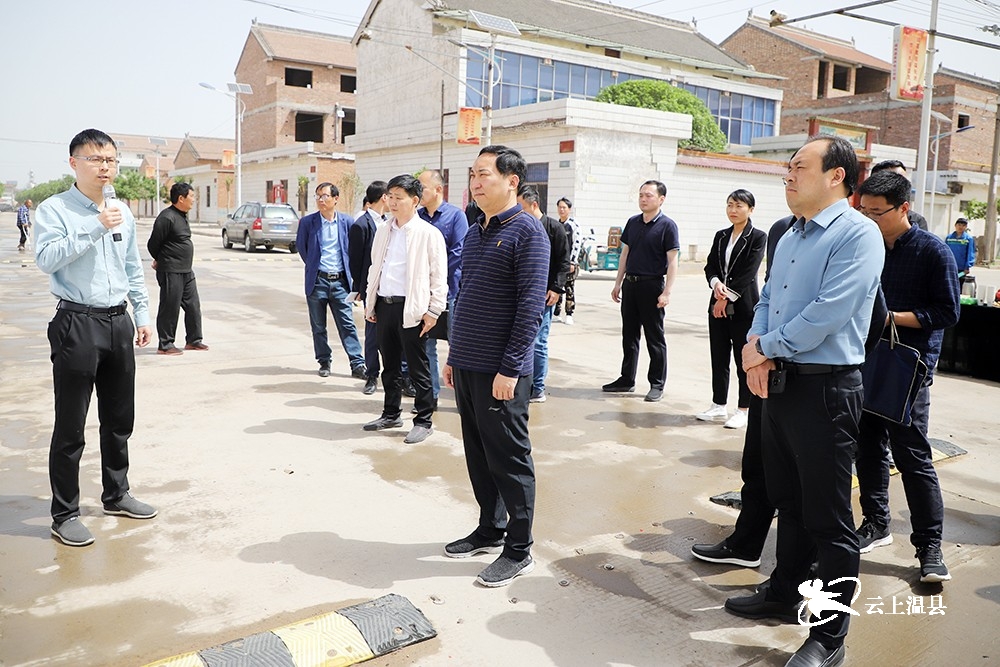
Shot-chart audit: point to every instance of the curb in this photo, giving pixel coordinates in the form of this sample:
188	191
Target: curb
336	639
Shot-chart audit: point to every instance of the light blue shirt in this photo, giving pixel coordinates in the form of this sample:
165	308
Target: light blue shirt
330	260
84	262
817	306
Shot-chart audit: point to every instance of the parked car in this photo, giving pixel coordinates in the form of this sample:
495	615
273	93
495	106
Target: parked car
261	224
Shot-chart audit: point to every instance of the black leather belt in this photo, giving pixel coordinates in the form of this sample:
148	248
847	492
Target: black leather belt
815	369
90	310
392	299
330	276
632	278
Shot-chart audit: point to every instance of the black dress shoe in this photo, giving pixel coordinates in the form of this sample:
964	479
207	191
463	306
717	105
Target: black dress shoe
757	606
621	385
359	373
370	385
383	423
721	553
654	395
814	654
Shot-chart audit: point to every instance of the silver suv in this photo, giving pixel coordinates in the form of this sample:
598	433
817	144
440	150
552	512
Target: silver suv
261	224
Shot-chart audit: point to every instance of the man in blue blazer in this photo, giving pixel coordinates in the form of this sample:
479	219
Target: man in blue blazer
322	241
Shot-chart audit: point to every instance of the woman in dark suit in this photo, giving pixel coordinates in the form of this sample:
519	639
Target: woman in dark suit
731	271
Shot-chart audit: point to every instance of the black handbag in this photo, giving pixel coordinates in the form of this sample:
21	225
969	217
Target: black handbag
893	373
440	329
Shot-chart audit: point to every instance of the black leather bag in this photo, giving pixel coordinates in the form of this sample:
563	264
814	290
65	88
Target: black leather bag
892	375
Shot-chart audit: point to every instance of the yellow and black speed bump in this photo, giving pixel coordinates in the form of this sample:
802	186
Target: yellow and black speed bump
940	451
345	637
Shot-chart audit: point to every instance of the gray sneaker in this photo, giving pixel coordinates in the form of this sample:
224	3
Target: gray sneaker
418	434
503	570
72	532
130	507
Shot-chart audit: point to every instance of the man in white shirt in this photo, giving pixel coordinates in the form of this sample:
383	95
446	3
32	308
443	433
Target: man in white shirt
407	291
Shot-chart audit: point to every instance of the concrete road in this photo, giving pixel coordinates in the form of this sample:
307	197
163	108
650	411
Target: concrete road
275	505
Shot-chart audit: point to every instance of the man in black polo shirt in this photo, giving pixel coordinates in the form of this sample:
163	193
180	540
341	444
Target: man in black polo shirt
650	245
505	263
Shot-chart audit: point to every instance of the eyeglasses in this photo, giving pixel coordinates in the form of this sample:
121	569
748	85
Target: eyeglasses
323	197
873	215
97	160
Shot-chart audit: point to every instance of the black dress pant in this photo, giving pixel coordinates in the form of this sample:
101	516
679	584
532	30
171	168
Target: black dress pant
88	351
393	342
640	316
809	436
756	511
727	336
498	456
177	290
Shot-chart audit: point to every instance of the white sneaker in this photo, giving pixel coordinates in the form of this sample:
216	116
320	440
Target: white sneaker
569	319
738	420
715	413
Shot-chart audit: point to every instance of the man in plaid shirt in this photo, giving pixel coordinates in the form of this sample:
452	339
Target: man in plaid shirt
23	223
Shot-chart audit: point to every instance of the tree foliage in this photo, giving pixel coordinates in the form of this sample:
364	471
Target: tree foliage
133	186
976	209
43	191
660	95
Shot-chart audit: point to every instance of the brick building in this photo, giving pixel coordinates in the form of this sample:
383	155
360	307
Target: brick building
301	109
207	163
829	77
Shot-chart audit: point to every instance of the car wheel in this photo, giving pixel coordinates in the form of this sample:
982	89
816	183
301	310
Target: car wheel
248	243
226	243
292	248
269	248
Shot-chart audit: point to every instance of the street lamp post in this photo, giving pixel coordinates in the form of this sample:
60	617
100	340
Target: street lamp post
934	149
235	90
158	142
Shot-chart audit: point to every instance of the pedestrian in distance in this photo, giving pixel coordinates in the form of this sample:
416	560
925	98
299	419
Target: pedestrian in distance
23	224
172	251
497	315
87	245
323	240
565	206
731	271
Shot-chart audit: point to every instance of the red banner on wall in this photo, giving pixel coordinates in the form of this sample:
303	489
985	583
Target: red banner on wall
909	61
470	125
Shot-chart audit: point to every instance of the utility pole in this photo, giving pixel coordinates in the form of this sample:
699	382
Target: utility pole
991	203
920	177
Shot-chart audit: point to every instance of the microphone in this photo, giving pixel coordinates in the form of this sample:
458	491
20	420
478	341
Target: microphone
108	191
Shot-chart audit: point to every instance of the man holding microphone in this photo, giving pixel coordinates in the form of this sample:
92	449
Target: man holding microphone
87	245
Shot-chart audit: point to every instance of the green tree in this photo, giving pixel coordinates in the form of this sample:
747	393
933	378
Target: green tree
976	209
43	191
660	95
133	186
303	194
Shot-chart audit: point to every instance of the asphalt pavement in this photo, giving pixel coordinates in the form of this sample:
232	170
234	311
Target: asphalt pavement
275	506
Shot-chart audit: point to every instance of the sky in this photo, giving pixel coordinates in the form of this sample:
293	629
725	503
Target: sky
134	67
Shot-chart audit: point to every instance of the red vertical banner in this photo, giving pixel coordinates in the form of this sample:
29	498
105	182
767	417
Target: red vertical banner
470	125
909	63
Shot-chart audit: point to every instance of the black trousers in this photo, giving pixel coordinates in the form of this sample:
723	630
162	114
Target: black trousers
810	432
177	290
393	342
756	511
24	235
640	316
727	336
88	351
498	456
911	451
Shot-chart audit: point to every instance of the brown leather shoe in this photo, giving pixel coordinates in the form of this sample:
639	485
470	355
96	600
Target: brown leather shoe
196	346
170	350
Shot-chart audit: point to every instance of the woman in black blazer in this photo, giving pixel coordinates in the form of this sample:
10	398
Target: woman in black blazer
731	271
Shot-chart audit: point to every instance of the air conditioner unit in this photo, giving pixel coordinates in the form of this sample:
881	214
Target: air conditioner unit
954	188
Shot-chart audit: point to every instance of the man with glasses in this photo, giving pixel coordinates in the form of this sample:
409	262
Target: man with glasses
88	247
323	244
803	357
920	282
897	167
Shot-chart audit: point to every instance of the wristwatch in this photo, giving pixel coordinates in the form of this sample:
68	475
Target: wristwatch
756	346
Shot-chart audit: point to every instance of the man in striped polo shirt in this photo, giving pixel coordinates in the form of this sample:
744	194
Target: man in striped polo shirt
505	263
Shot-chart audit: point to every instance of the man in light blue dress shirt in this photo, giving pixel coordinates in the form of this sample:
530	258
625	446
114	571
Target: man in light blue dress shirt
87	245
803	355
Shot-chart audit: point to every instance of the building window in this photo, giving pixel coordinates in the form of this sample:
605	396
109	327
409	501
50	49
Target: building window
300	78
269	187
841	77
963	120
523	79
348	83
208	196
309	127
538	175
824	69
348	124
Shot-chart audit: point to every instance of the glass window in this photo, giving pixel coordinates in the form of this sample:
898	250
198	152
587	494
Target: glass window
544	95
508	97
529	71
475	67
769	112
562	77
737	106
538	172
559	95
578	79
546	75
713	102
473	94
593	81
510	66
528	95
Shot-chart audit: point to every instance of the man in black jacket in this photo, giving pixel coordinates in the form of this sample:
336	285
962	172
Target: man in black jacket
173	254
359	247
528	198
